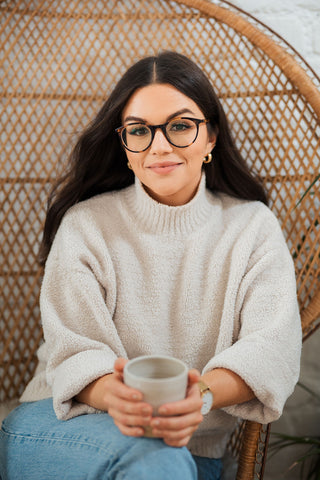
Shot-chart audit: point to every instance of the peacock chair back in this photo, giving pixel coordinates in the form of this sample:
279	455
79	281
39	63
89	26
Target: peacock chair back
59	61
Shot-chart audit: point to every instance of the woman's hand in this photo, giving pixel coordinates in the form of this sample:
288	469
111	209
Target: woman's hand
124	404
179	420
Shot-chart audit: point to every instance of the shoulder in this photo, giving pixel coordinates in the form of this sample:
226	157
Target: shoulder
86	227
96	208
251	221
91	221
238	210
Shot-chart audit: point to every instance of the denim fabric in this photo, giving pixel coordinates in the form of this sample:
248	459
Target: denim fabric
34	445
208	468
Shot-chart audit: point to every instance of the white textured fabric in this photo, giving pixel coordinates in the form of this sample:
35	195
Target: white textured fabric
211	282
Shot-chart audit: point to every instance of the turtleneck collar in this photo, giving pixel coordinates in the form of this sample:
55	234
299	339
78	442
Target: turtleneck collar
158	218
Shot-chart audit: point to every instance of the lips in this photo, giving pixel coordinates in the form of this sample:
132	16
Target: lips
163	164
163	167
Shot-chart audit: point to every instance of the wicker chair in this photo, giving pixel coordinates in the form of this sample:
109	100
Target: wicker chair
59	60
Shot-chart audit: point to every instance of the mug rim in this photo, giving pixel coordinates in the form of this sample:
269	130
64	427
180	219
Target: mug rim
156	380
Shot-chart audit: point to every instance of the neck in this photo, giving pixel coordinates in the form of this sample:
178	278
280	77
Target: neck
158	218
176	199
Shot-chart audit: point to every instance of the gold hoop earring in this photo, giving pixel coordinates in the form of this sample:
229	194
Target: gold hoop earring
129	165
208	158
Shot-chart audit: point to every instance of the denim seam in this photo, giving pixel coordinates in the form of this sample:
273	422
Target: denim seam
56	439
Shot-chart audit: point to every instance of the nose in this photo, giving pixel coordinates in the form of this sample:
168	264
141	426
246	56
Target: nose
160	144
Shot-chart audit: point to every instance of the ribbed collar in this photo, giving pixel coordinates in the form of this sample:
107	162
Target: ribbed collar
157	218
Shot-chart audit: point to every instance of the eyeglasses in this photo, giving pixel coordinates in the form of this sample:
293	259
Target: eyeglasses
180	132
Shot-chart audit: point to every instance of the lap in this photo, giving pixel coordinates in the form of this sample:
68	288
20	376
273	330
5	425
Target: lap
34	443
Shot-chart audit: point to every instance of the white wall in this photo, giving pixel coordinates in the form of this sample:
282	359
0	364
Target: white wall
298	22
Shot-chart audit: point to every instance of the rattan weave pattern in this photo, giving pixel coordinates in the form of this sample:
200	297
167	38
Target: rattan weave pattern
58	62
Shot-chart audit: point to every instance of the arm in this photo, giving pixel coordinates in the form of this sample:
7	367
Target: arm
252	377
227	388
181	419
266	346
81	338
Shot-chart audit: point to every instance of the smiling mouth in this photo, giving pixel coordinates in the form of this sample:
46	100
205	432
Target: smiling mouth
164	165
164	168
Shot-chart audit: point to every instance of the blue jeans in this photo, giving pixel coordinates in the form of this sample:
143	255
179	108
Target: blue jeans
34	445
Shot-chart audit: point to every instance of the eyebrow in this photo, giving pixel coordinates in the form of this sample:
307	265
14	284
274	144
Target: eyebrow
131	118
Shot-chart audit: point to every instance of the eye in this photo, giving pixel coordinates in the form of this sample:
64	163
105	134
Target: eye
180	125
137	130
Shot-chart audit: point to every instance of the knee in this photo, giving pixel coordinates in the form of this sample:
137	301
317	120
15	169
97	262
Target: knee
180	464
151	459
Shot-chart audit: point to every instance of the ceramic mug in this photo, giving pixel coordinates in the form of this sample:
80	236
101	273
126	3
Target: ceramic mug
161	379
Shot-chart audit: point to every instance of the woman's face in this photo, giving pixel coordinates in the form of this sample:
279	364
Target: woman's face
170	175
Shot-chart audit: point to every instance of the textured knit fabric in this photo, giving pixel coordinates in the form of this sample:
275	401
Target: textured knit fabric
210	282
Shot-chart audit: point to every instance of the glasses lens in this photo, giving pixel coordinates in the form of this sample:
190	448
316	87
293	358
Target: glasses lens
182	132
136	137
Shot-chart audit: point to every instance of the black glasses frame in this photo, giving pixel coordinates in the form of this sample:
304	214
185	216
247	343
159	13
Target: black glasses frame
162	127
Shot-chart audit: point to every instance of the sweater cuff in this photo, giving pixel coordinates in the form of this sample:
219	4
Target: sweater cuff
73	375
271	390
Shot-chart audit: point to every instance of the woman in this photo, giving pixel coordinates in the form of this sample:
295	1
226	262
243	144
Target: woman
157	241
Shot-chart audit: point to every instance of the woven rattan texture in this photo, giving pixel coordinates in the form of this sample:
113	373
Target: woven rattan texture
248	446
59	60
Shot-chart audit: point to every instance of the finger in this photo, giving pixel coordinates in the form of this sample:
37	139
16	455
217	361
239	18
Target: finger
130	420
193	376
128	415
175	438
130	431
177	443
190	404
175	424
193	389
118	389
122	392
127	407
119	364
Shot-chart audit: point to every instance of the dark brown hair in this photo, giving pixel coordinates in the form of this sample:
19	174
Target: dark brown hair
98	163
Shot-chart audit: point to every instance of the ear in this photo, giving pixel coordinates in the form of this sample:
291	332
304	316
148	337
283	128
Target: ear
211	143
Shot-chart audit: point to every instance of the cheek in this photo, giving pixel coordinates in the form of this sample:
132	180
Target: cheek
197	154
135	159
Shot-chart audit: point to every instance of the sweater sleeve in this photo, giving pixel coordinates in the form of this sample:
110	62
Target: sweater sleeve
267	347
77	301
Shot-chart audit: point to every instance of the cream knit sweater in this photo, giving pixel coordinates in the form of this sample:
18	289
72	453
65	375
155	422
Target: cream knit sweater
211	282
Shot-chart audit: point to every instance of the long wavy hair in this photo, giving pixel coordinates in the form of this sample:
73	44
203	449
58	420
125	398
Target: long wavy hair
98	162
